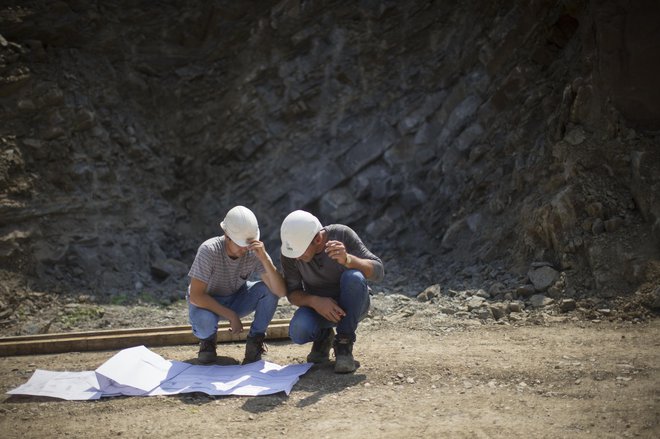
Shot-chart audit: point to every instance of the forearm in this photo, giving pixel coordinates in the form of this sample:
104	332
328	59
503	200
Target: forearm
273	278
275	281
371	269
207	302
300	298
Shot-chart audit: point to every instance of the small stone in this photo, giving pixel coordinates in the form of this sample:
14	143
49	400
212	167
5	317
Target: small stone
515	307
539	300
525	290
482	293
567	305
429	293
498	310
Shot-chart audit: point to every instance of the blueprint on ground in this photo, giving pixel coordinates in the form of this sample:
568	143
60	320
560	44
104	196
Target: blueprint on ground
138	371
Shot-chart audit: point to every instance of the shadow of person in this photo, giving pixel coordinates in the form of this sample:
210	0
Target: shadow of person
220	361
321	380
264	403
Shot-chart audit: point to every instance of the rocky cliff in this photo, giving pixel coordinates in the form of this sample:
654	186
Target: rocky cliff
507	146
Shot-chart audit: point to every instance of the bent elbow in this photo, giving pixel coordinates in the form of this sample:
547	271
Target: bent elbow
378	272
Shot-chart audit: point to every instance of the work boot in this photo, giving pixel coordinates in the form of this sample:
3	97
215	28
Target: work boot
207	353
320	352
254	347
344	362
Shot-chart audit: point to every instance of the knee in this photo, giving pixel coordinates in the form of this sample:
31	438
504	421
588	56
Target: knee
203	317
262	290
301	328
204	323
298	333
353	279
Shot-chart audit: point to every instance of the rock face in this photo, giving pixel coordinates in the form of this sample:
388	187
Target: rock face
463	142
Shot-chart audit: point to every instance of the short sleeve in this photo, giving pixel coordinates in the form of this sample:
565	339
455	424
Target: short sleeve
202	266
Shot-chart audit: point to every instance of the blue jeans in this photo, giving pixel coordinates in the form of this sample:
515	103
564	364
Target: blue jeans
253	296
307	325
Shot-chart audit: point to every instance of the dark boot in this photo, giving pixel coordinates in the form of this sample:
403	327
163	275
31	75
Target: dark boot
254	347
207	352
344	362
321	348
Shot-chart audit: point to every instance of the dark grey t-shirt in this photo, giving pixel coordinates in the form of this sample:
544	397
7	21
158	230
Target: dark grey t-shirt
322	274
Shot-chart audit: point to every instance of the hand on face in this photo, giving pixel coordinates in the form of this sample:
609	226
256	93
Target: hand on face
336	251
258	248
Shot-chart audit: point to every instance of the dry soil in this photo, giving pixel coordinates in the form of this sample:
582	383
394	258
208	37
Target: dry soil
467	379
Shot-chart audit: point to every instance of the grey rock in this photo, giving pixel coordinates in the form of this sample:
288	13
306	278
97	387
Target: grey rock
430	293
169	267
339	204
539	300
448	141
496	288
566	305
483	313
525	290
482	293
543	277
498	310
516	306
475	302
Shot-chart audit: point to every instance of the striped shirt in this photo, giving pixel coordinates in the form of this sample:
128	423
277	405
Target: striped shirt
223	275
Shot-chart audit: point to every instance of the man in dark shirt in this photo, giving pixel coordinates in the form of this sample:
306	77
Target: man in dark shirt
326	271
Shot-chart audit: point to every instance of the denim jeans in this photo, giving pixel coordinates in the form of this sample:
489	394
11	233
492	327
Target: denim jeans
306	324
253	296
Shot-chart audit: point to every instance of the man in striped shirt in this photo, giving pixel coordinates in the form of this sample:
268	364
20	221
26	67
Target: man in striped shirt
220	289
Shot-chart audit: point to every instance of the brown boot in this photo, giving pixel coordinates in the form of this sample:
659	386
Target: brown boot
254	347
207	354
344	362
320	352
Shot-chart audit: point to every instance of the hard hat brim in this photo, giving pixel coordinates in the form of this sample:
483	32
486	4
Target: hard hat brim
241	242
293	253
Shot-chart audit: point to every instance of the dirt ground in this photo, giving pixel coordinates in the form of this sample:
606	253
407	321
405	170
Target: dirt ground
465	379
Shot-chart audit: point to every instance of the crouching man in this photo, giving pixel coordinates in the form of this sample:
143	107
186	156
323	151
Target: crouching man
326	271
219	288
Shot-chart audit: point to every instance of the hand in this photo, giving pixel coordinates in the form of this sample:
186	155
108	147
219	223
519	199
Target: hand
329	309
258	248
235	324
337	252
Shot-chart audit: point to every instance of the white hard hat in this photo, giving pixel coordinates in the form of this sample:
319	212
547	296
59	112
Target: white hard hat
297	231
240	225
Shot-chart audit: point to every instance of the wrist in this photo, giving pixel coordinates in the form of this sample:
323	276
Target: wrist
349	259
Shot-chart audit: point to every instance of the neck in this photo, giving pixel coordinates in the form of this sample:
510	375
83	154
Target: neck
324	240
229	249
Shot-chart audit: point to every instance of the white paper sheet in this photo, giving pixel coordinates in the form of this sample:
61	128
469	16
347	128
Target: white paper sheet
140	368
65	385
259	378
140	372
